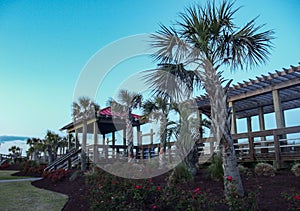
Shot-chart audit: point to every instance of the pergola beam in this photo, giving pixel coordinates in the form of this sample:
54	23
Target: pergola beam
264	90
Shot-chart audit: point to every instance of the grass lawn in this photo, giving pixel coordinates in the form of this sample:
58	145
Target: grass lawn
24	196
6	174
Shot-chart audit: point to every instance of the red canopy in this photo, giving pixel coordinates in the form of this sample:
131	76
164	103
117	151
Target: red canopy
107	111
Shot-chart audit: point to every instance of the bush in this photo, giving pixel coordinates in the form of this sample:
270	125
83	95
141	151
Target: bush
76	174
180	174
296	169
264	169
56	175
243	169
4	165
108	192
215	169
33	168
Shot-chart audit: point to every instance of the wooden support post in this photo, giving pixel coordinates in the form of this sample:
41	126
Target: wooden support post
95	150
280	123
250	139
104	148
151	136
113	144
233	118
76	139
69	141
261	120
277	150
124	137
279	115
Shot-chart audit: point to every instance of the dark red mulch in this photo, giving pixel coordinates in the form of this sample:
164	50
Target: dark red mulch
76	190
269	189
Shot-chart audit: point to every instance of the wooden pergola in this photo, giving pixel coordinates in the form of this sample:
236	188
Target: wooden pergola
275	92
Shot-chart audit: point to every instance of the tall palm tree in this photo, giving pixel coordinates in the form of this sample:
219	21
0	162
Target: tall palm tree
33	146
127	101
51	143
16	152
206	39
83	110
158	109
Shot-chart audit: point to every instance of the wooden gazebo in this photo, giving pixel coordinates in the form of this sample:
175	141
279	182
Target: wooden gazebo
275	92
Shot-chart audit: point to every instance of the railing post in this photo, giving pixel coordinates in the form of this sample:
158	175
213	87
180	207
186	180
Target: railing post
277	150
251	147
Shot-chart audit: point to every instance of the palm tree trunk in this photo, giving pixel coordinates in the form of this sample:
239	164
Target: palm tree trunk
83	147
50	154
220	128
163	138
129	136
35	155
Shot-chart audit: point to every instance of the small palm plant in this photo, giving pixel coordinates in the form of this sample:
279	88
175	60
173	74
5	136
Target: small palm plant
127	101
82	111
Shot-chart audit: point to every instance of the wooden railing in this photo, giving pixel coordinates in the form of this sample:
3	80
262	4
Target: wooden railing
272	145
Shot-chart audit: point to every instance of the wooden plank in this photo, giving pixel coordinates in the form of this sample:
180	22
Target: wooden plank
282	85
280	131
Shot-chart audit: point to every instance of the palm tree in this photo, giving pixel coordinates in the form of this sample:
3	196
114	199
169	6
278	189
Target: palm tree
127	102
51	143
16	152
158	109
33	147
81	112
206	39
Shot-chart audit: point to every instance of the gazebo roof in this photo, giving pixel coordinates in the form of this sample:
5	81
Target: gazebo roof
254	93
107	112
107	122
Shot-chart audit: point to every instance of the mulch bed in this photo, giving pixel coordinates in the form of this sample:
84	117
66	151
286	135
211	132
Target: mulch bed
76	190
268	189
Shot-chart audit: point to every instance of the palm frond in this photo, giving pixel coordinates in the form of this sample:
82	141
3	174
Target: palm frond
168	46
171	81
248	46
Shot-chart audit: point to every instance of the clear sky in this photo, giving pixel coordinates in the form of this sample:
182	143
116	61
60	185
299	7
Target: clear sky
44	45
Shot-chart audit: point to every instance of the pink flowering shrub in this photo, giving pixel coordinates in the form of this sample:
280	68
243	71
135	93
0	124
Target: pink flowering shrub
56	175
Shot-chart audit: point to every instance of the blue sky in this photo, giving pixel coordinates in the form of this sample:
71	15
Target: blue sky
44	45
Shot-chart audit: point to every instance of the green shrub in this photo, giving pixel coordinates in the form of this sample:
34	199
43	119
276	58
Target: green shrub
215	169
180	174
243	169
108	192
264	169
296	169
76	174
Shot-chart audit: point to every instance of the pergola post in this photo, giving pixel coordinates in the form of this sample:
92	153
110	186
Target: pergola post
69	141
104	148
76	139
261	120
124	140
279	116
95	153
113	144
233	118
280	122
251	140
138	149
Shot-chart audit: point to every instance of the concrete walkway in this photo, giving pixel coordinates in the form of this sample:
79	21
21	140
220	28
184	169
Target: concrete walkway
21	180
